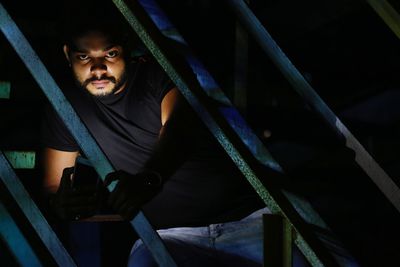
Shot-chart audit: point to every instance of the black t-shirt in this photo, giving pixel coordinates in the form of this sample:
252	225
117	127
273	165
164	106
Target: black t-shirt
206	189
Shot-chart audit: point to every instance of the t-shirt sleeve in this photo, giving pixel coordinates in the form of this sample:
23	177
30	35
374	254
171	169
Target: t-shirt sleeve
54	133
159	81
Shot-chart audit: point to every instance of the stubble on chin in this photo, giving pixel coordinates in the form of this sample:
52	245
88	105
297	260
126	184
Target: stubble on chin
100	93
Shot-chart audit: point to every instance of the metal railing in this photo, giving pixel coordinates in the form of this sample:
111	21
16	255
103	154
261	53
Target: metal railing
304	89
77	129
225	122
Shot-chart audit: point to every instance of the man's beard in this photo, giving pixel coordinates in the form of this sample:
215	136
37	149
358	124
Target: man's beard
117	84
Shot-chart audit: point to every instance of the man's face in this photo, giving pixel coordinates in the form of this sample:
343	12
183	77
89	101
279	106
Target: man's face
98	65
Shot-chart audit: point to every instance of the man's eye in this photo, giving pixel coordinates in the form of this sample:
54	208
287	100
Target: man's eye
112	54
83	57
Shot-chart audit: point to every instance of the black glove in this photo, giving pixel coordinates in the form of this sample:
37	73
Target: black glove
132	191
74	203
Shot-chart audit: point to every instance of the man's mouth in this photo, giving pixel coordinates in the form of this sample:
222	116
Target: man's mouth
99	84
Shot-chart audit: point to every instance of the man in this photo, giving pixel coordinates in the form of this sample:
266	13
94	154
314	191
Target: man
168	164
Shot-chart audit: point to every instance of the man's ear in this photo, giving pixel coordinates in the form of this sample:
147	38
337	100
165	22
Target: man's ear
66	53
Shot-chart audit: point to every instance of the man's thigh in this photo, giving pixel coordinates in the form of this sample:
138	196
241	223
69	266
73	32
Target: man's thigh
188	247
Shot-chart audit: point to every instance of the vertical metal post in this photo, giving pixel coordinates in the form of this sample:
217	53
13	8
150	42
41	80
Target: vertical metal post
277	241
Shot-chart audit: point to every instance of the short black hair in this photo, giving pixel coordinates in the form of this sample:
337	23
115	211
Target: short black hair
98	16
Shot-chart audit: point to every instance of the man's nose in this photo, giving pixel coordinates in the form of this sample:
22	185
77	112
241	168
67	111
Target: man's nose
98	68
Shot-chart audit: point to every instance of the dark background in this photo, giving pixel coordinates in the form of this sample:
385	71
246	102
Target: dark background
347	53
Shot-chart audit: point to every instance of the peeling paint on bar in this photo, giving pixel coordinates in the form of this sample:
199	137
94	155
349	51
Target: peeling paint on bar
21	159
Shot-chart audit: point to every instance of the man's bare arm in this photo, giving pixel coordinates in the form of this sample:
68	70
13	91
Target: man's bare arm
54	162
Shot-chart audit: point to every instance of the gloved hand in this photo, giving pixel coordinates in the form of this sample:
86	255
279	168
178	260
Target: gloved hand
74	203
132	191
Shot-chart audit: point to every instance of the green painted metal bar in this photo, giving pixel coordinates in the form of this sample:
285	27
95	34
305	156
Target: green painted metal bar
304	89
78	130
387	13
33	214
5	89
193	93
15	240
21	159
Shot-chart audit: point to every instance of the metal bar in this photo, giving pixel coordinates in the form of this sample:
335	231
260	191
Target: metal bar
33	214
387	13
302	87
287	245
194	94
77	129
21	159
273	240
5	89
15	240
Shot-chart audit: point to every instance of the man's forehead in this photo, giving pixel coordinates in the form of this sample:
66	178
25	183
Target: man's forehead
93	41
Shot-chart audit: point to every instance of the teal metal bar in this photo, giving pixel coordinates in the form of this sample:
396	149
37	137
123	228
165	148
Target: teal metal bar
15	241
21	159
33	214
194	94
77	129
304	89
387	13
5	89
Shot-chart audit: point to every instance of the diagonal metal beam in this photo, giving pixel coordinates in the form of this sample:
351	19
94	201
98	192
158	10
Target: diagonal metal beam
304	89
77	129
15	240
387	13
194	94
33	214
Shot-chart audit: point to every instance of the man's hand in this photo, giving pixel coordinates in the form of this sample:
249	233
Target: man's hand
132	191
74	203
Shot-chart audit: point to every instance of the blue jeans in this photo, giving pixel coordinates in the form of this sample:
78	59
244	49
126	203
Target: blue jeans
233	244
